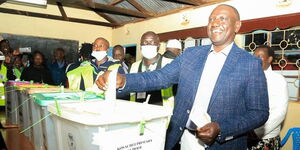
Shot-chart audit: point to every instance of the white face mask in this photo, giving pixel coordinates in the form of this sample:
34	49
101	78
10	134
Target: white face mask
99	55
149	51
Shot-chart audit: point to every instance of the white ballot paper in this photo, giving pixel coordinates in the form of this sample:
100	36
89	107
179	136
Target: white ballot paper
110	93
189	141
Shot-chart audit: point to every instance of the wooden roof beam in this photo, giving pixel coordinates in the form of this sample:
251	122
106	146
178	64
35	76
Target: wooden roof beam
106	17
54	17
115	2
105	8
139	7
189	2
62	11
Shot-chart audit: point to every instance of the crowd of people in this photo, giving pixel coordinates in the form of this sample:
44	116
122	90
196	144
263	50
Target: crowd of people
240	93
93	59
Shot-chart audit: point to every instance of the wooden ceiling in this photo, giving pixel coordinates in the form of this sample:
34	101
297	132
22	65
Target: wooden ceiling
116	12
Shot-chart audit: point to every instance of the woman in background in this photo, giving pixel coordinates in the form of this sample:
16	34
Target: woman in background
37	71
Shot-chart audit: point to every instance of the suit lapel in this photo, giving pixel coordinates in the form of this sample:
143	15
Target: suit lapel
200	62
228	66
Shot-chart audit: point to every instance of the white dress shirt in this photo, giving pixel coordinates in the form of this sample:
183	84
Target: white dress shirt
212	68
278	103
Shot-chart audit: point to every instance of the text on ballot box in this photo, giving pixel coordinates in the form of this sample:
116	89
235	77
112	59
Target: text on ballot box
109	125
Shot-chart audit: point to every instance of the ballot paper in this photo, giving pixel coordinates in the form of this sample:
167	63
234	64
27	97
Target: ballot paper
110	93
189	141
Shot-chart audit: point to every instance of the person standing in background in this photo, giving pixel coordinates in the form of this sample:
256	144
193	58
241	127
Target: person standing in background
58	67
173	49
18	66
119	54
152	61
37	71
102	62
81	75
267	136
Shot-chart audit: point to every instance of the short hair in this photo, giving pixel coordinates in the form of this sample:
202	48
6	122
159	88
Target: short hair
269	50
233	8
153	33
34	54
60	49
86	50
118	46
38	53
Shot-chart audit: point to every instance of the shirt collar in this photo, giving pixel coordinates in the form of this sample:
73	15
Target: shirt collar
224	51
269	69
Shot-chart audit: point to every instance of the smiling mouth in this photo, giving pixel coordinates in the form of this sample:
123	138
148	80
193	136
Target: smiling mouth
216	31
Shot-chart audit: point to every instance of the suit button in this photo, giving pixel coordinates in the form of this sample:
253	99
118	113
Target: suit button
180	128
188	111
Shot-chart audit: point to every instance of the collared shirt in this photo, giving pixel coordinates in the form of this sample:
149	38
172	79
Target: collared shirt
213	65
102	67
152	66
212	68
278	102
124	67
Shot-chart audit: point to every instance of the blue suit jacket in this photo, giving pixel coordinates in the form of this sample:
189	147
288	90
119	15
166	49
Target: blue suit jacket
239	102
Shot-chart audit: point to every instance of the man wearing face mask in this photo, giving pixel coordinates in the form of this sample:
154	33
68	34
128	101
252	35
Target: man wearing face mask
102	61
151	61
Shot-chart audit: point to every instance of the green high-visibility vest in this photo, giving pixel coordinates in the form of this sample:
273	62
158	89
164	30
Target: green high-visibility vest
3	73
17	72
3	78
166	94
86	71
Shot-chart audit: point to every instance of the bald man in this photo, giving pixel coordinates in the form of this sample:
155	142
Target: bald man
101	61
222	91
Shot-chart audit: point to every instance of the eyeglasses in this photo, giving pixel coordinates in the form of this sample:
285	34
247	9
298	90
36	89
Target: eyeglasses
98	46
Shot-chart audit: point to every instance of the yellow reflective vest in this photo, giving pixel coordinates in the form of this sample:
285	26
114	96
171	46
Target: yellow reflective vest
166	94
3	78
17	73
3	73
86	71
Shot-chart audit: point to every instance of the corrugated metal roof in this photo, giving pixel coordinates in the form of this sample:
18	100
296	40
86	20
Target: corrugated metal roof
117	12
127	5
153	6
156	6
103	1
120	19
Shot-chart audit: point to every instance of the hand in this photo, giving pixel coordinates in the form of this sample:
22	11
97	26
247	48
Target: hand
102	80
208	133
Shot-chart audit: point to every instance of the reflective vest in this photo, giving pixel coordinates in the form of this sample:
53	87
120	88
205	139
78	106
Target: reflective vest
166	94
3	73
3	78
17	73
86	71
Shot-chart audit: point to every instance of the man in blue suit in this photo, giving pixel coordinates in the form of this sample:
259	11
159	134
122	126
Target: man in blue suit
219	79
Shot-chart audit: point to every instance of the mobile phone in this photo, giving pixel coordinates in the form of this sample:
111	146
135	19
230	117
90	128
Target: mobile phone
25	49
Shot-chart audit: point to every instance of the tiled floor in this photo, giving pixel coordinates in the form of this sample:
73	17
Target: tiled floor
12	138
